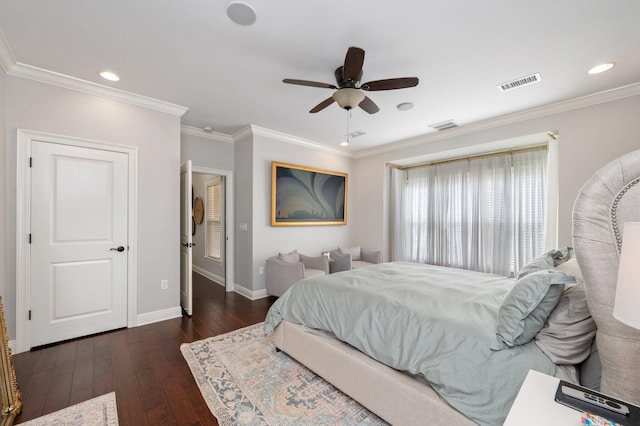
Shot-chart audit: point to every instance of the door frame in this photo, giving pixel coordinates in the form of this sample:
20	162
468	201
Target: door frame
229	267
23	228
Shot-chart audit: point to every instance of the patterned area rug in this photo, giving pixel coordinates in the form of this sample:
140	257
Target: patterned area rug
94	412
246	382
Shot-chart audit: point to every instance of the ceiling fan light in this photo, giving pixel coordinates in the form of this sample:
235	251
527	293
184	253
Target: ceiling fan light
344	143
348	98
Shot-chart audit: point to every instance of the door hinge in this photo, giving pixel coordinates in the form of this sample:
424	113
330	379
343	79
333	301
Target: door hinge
29	238
30	161
29	314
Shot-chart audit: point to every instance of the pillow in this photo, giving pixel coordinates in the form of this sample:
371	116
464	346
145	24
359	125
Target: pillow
354	251
591	369
546	260
570	267
526	307
289	257
567	336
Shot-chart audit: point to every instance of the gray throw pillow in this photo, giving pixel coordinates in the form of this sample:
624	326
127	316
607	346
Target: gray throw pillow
354	251
567	336
292	256
546	260
527	306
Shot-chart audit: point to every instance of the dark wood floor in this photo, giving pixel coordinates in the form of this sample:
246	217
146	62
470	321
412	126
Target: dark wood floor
143	365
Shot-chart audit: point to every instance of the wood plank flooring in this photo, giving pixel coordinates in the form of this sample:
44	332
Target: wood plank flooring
143	365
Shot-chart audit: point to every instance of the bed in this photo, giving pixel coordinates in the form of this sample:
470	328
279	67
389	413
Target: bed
418	350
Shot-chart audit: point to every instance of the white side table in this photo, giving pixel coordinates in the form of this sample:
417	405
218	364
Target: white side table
535	404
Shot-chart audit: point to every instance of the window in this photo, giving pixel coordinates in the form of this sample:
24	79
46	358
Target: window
215	217
484	213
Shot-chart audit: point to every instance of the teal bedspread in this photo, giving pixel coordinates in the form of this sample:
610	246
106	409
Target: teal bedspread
435	322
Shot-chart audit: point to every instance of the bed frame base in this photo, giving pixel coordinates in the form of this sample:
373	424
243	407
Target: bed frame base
392	395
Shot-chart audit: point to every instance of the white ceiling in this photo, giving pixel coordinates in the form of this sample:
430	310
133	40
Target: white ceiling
229	76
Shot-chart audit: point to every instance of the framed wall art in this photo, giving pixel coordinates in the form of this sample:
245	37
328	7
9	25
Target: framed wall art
304	196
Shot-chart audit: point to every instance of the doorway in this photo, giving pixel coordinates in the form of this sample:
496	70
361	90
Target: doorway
214	189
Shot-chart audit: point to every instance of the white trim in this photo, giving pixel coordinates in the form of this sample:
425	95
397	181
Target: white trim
209	275
216	136
157	316
279	136
11	66
23	213
251	294
530	114
229	251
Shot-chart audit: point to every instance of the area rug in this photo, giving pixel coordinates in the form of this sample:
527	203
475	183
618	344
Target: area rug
99	411
244	381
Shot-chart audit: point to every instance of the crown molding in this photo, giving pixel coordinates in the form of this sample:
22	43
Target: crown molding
215	136
7	60
61	80
12	67
551	109
283	137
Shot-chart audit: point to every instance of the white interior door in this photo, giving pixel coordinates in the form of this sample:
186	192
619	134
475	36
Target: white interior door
186	237
79	242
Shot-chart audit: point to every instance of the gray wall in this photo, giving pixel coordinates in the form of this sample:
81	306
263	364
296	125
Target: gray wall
243	209
36	106
310	240
589	137
206	152
4	228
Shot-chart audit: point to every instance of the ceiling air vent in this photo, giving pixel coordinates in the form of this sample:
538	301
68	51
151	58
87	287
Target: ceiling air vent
524	81
444	125
356	134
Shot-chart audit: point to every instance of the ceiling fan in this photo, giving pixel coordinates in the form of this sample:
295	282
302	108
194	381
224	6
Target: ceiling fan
347	92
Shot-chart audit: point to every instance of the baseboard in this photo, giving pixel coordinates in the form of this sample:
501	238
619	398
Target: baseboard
12	346
210	275
250	294
157	316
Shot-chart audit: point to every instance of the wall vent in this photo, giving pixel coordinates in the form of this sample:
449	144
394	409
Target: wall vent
356	134
444	125
524	81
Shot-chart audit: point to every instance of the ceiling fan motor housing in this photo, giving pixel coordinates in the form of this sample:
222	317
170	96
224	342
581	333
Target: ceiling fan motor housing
342	83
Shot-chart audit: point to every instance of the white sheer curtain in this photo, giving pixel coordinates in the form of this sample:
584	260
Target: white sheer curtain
485	213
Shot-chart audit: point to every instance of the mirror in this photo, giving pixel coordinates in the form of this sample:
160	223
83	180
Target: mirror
11	395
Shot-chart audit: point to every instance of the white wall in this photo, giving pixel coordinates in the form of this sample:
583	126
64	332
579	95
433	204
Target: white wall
589	137
310	240
206	152
36	106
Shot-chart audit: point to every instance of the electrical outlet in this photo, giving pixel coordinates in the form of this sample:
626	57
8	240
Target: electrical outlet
164	284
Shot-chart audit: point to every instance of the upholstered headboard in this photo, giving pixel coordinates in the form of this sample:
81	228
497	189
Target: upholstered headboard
608	200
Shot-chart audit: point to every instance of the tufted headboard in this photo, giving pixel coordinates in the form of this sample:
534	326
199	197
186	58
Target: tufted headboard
608	200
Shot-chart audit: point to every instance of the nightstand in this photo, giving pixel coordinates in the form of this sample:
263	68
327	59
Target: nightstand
535	404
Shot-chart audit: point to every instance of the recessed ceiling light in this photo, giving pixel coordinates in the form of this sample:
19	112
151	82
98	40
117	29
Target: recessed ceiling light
405	106
344	143
108	75
241	13
601	68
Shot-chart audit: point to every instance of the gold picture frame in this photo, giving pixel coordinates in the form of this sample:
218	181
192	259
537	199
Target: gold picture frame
9	391
305	196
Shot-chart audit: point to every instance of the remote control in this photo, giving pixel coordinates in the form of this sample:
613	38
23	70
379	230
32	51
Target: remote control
596	400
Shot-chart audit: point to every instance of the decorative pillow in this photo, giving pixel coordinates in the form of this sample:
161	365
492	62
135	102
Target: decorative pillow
354	251
546	260
527	306
289	257
570	267
567	336
591	369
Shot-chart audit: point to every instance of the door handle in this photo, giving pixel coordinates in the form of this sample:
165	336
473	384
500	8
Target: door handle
120	249
188	244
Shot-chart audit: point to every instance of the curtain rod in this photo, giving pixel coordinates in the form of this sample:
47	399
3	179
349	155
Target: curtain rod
469	157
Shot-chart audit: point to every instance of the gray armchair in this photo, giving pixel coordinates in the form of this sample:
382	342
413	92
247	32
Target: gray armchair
346	259
282	271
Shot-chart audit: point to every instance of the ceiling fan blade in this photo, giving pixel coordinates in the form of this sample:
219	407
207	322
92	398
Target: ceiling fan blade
322	105
369	106
353	64
390	84
309	83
